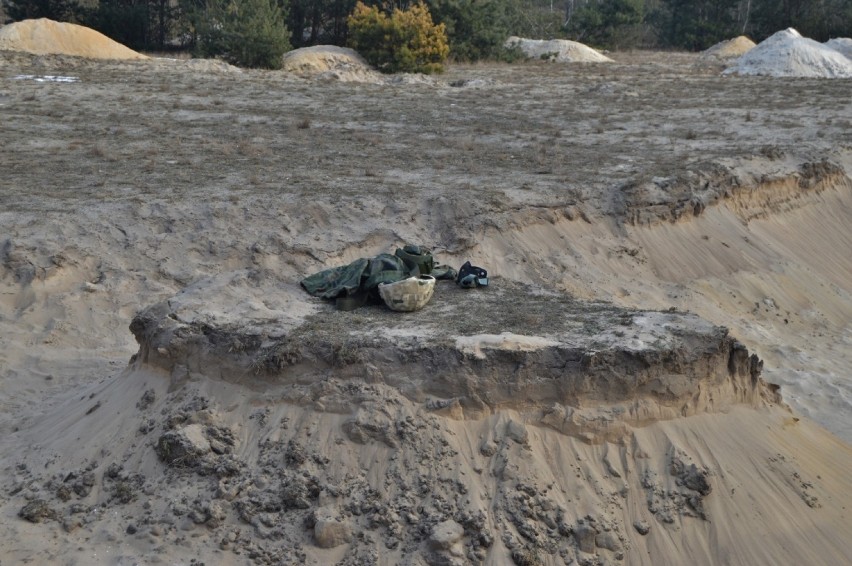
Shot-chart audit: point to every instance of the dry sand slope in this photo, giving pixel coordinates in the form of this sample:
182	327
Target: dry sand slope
541	421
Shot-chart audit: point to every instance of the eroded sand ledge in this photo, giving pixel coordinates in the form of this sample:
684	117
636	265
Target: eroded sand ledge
584	368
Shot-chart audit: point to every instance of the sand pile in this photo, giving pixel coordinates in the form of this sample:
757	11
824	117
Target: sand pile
729	49
46	37
330	62
842	45
788	54
559	50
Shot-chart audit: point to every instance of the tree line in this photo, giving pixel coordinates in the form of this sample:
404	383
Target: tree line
476	29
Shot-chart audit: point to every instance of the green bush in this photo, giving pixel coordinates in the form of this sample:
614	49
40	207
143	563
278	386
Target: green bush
407	41
246	33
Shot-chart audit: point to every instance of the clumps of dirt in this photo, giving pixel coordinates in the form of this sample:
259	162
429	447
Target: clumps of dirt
122	486
557	50
76	482
685	498
544	527
77	497
291	494
37	511
788	54
194	440
47	37
289	490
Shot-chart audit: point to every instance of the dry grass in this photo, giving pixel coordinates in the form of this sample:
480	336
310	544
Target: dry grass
551	128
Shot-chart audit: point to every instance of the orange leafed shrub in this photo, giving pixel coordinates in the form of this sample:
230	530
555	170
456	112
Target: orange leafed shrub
407	41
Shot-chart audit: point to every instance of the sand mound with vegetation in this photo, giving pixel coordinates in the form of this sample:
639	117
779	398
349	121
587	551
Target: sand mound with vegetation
46	37
788	54
330	62
842	45
559	50
729	49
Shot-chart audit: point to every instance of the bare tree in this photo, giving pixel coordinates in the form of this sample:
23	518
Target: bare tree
569	12
746	15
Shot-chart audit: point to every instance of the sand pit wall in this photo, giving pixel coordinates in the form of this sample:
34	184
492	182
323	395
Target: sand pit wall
766	255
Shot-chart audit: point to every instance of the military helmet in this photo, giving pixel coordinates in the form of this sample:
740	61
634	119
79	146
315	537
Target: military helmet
409	294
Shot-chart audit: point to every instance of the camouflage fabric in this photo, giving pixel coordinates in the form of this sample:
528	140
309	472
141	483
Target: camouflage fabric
418	260
360	276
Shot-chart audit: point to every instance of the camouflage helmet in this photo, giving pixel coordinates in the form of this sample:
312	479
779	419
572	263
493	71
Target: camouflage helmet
409	294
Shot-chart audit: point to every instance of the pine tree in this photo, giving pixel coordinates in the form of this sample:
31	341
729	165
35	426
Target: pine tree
246	33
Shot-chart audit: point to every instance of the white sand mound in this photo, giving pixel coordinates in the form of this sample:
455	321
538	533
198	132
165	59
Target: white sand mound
330	62
842	45
788	54
560	50
729	49
46	37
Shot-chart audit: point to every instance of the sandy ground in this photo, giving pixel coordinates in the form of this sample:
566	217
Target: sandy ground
648	182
